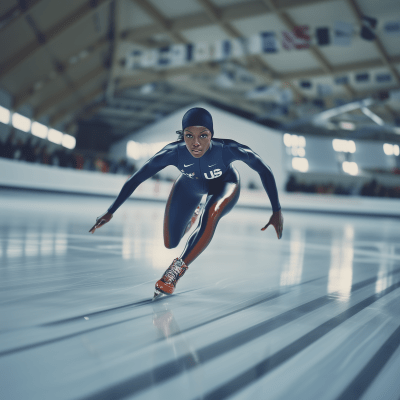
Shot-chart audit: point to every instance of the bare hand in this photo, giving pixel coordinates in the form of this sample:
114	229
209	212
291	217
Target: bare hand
276	221
100	221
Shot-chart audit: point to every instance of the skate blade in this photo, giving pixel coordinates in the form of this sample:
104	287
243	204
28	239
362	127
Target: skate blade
157	295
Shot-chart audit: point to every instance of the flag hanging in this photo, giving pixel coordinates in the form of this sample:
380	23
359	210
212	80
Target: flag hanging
298	38
342	33
149	59
322	35
254	44
133	60
268	42
306	84
220	50
342	80
201	52
368	28
164	57
177	55
363	77
324	90
384	77
392	27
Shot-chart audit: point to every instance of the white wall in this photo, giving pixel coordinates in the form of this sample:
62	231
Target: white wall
19	174
263	140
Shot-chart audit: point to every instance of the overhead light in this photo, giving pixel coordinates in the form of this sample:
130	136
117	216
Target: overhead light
391	149
68	141
388	149
373	116
294	140
287	139
39	130
301	152
4	115
350	168
345	146
300	164
349	126
55	136
21	122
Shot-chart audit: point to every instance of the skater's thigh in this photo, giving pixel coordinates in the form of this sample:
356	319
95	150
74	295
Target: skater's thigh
222	199
181	204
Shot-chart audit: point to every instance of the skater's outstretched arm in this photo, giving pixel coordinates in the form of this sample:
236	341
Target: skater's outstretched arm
253	160
166	156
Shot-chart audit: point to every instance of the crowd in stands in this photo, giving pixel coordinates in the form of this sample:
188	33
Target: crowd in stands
39	153
371	188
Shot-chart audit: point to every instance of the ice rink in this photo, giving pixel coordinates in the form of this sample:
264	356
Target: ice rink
313	316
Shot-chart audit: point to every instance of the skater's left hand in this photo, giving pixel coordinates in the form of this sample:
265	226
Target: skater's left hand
100	221
276	221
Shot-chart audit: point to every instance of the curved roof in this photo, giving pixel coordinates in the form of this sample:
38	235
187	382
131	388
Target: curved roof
68	62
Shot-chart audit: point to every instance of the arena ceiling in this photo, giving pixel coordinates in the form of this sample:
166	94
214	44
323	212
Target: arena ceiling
67	60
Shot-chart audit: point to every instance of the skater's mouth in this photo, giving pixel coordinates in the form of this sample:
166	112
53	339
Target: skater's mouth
197	151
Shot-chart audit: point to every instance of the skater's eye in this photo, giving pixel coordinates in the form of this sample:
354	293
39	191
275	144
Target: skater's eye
188	135
204	136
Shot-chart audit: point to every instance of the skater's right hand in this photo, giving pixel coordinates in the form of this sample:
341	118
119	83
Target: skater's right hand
100	221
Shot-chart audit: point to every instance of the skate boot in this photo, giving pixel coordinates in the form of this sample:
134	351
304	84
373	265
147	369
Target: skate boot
193	219
166	285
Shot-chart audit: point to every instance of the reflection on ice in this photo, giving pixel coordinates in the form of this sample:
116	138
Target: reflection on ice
292	269
341	267
32	244
386	265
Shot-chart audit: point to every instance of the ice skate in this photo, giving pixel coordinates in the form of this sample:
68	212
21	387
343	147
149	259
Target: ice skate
193	219
166	285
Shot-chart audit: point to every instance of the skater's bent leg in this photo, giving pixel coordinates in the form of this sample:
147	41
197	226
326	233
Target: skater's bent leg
217	205
181	204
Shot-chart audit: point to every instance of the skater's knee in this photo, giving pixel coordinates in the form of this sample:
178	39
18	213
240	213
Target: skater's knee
170	243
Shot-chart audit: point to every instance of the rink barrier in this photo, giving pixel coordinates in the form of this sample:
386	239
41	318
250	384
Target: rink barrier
27	176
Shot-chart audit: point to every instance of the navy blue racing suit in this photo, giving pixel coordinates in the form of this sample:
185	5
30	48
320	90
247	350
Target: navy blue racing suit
212	174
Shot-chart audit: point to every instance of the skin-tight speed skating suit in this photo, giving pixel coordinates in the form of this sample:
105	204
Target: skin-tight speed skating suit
211	174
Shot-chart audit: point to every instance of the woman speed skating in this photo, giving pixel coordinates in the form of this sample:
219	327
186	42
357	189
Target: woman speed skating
206	167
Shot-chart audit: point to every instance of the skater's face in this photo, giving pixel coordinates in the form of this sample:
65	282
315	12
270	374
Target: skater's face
197	139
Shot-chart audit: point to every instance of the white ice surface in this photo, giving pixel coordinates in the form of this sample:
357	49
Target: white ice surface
253	318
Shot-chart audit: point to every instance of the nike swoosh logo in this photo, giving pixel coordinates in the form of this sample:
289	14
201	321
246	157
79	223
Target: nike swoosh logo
187	165
212	165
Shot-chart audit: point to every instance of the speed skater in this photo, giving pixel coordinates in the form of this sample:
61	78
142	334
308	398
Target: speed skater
206	168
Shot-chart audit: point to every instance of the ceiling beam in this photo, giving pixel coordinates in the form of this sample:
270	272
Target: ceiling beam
114	40
313	49
339	70
16	13
163	75
262	69
51	34
43	108
199	89
163	22
141	79
377	42
62	114
26	94
229	13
